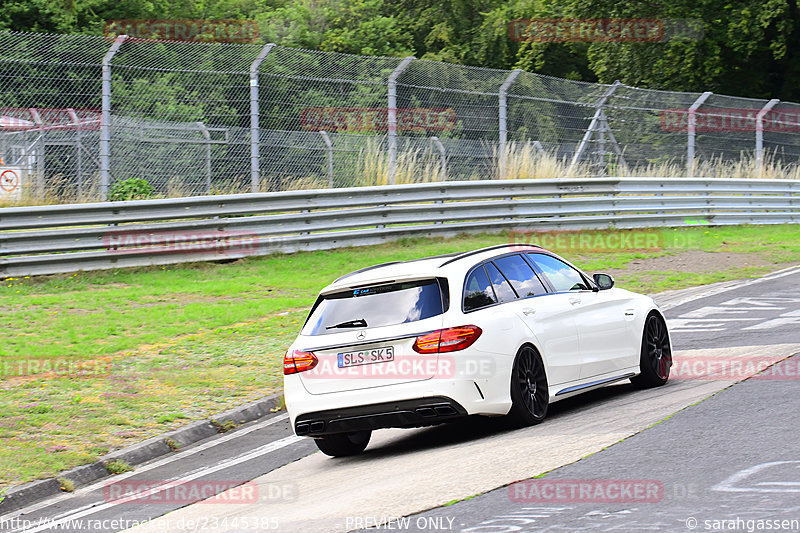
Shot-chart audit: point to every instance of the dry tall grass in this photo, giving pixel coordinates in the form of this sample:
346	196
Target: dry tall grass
371	167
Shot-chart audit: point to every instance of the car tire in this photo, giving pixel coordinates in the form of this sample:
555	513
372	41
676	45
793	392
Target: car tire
530	395
343	444
656	355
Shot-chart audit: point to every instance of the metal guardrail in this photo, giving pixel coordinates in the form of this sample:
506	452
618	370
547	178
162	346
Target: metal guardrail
64	238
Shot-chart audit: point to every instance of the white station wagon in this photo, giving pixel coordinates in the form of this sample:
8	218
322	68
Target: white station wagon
504	330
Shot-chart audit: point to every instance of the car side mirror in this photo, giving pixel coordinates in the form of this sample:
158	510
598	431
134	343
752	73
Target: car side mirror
603	281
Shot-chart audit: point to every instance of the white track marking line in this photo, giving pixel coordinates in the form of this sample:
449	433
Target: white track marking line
176	457
713	292
262	450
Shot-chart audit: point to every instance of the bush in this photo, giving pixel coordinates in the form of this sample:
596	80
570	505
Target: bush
131	189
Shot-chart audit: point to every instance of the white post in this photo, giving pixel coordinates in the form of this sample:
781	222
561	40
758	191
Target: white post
502	113
691	128
391	119
105	118
442	155
327	140
760	134
73	117
207	137
40	152
255	171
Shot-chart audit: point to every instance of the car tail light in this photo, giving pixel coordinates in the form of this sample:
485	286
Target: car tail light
447	340
297	361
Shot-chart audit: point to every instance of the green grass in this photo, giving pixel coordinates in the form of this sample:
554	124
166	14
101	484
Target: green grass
95	361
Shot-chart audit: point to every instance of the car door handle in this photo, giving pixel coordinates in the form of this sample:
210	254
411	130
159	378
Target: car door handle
574	301
528	311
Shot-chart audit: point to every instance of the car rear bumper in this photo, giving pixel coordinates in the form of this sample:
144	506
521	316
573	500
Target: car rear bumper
389	406
401	414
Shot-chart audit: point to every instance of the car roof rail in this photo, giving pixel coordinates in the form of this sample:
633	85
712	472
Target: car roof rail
488	249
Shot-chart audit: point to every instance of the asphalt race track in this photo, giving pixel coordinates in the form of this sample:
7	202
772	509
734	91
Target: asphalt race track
706	447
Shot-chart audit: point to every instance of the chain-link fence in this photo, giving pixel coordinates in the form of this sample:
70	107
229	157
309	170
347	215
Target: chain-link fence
79	114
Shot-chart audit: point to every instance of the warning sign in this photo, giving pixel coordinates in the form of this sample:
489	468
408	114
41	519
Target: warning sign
10	184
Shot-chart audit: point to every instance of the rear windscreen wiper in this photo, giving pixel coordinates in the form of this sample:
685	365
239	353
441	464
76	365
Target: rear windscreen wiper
360	323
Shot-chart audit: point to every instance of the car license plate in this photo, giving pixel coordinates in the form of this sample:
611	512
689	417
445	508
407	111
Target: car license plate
365	357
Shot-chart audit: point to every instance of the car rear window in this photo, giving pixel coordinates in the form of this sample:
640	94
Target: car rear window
375	306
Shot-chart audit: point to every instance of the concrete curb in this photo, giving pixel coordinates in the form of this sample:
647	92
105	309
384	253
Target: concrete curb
23	495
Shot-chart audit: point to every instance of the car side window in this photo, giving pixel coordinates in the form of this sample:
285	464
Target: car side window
501	286
561	275
478	291
521	276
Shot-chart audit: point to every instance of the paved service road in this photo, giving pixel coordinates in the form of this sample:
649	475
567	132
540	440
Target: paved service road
720	337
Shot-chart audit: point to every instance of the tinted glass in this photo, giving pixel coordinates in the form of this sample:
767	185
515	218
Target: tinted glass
561	275
478	291
502	289
522	277
380	305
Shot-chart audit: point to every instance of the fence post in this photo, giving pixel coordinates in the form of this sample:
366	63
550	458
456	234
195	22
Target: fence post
760	134
255	171
207	137
691	128
502	113
391	119
105	118
442	154
327	140
596	119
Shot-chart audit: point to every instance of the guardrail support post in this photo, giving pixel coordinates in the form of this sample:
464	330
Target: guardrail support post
255	171
443	154
691	129
105	118
391	119
327	140
502	114
760	134
596	120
